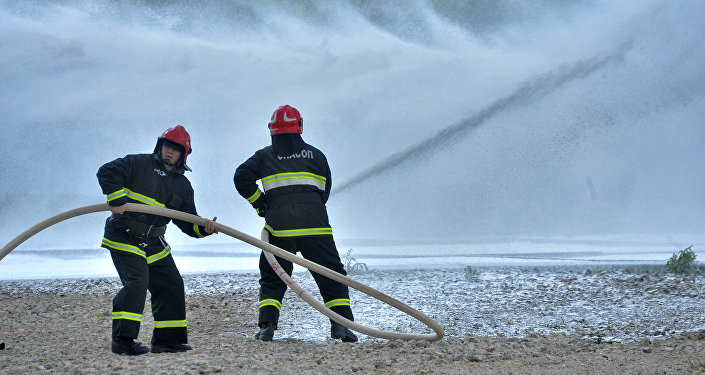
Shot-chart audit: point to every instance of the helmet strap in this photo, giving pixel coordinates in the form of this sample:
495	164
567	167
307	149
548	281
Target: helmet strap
167	162
159	152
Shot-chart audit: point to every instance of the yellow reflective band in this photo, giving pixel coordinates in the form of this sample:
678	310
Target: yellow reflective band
118	194
338	302
270	302
143	198
293	178
169	323
127	315
160	255
299	232
254	196
123	247
198	232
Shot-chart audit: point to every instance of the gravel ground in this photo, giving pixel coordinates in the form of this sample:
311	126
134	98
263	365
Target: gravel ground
496	322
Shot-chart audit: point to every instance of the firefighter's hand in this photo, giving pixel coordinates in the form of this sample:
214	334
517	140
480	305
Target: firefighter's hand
260	205
118	210
210	226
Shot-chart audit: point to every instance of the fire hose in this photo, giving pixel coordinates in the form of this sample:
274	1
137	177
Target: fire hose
269	251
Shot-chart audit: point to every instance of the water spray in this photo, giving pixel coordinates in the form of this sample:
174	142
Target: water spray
531	90
270	251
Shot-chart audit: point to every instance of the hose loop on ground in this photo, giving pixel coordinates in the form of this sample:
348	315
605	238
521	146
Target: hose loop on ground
269	251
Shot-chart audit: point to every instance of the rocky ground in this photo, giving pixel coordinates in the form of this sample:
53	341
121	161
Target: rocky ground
496	322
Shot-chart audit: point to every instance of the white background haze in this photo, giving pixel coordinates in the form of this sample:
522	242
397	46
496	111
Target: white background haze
614	149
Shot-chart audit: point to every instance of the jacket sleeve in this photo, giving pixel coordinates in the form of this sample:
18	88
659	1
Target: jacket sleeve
112	177
329	183
245	179
189	206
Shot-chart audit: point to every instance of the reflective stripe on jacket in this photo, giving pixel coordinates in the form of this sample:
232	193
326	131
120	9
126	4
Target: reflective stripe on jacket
141	178
296	188
136	250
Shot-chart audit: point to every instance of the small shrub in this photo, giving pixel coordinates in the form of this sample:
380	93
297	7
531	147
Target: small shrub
471	274
682	261
352	266
697	367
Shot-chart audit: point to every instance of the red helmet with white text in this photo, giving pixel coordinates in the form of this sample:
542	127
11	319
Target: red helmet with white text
286	119
177	136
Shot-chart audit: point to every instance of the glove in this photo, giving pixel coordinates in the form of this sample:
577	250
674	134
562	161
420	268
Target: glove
260	205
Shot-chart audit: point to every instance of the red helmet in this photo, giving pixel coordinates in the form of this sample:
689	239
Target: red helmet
286	119
179	136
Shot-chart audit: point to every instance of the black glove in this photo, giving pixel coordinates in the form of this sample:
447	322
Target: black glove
260	205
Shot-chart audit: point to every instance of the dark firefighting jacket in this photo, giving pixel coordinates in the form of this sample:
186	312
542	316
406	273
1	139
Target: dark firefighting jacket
141	178
296	188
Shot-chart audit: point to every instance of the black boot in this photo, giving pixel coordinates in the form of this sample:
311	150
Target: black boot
177	348
266	331
125	345
338	331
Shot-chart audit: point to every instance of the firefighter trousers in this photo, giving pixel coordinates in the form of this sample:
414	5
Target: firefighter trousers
154	270
317	249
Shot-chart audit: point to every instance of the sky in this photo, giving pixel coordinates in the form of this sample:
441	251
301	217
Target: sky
441	120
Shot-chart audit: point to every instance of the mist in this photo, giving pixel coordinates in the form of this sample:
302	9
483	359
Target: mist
441	121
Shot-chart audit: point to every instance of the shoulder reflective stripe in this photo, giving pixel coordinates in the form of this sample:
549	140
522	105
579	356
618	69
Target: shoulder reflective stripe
143	198
338	302
118	194
299	232
270	302
254	196
198	232
293	178
123	247
160	255
169	323
127	315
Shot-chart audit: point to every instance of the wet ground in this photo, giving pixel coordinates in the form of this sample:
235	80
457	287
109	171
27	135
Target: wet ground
610	305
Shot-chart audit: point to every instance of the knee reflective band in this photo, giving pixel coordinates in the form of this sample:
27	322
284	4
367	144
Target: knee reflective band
169	323
269	251
270	302
127	315
338	302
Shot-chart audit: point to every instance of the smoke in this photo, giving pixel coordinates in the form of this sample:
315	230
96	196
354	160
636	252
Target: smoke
439	119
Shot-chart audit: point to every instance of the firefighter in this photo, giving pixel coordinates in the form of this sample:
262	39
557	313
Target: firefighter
296	180
137	246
